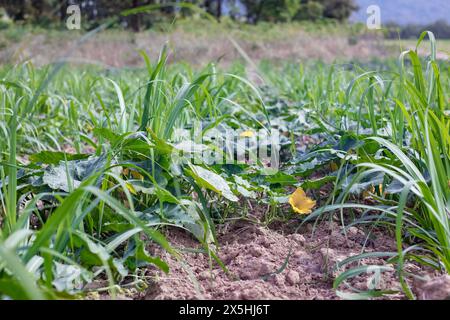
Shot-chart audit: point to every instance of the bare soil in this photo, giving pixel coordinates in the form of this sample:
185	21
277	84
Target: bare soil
255	255
121	49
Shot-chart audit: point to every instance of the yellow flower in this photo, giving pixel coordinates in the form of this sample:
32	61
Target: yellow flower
247	134
300	202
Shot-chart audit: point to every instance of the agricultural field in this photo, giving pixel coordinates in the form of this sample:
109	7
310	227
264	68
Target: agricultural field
259	176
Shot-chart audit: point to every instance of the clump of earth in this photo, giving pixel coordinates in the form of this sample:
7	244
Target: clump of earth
273	263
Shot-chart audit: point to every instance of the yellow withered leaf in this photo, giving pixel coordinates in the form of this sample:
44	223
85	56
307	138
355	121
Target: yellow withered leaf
300	202
130	188
333	166
134	174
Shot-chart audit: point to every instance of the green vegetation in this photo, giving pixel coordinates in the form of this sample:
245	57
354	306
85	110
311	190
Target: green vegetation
95	163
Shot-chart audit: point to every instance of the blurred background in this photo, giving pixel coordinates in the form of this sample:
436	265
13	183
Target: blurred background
196	30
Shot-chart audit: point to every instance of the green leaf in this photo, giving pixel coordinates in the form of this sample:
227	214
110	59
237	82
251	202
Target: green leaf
212	181
58	179
142	254
12	288
107	134
54	157
363	182
317	183
13	264
281	178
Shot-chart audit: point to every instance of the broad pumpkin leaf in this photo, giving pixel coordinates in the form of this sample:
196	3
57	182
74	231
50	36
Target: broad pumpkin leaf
54	157
57	179
212	181
317	183
281	178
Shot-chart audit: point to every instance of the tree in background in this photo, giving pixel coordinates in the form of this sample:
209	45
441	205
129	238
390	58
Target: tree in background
312	10
287	10
440	28
255	10
338	9
214	7
271	10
